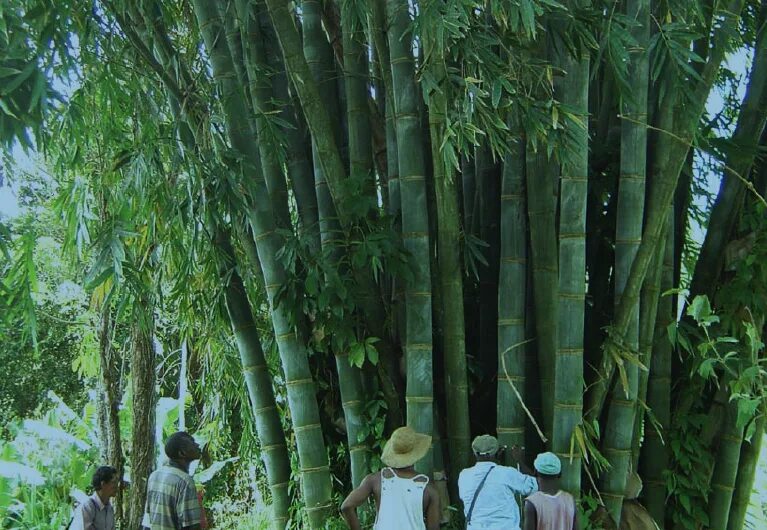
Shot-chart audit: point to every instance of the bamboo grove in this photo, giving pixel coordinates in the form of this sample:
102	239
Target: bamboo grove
466	216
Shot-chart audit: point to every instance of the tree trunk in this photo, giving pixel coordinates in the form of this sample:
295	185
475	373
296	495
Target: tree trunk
144	400
110	380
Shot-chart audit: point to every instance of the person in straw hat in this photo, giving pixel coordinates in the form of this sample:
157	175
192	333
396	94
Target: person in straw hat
550	508
405	499
487	489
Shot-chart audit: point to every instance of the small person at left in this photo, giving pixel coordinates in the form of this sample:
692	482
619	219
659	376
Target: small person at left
97	513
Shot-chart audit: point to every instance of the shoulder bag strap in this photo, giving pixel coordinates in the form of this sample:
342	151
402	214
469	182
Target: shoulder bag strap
476	494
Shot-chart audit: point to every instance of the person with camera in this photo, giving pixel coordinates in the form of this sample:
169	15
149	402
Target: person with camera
487	489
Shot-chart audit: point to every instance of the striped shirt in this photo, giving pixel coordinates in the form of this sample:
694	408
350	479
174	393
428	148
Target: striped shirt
171	500
93	514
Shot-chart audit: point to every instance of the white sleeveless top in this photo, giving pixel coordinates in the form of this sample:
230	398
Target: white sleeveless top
401	502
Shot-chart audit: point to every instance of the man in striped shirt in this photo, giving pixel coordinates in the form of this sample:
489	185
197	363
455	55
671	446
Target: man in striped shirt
172	502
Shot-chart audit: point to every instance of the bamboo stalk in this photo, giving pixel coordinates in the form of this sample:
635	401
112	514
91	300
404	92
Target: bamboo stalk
271	436
512	279
312	454
744	483
569	383
450	272
415	225
725	469
654	455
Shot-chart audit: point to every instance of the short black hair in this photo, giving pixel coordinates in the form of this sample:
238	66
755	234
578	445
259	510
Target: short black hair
103	474
177	442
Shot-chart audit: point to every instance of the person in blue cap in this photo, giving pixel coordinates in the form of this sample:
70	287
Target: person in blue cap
550	508
487	489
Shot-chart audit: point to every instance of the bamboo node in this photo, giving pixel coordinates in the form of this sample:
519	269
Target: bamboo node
511	430
303	428
510	321
315	469
623	402
722	487
283	336
419	346
354	448
279	485
419	399
263	235
262	409
254	368
304	381
517	261
616	451
272	447
320	507
568	406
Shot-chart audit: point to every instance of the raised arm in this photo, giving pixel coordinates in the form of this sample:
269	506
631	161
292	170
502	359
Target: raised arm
355	499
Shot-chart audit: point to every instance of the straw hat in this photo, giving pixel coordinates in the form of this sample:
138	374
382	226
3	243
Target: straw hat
405	448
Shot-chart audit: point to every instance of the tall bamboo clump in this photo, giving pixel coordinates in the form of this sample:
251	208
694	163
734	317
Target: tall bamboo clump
628	233
568	381
313	458
415	224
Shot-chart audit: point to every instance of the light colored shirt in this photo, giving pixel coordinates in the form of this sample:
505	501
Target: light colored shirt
401	502
93	514
553	512
495	507
171	500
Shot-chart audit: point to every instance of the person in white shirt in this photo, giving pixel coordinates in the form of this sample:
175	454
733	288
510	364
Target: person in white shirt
97	513
405	499
487	489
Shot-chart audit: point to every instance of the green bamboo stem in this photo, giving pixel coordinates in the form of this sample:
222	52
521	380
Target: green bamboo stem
271	436
314	106
312	454
512	280
298	152
415	224
243	32
569	384
450	270
744	483
617	442
654	453
355	80
670	156
541	211
725	469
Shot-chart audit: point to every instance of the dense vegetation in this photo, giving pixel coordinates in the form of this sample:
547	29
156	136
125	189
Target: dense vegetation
311	222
